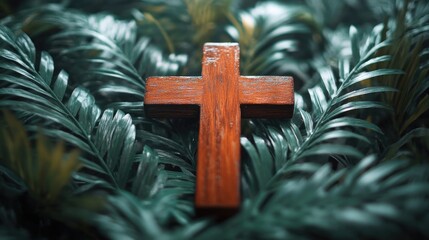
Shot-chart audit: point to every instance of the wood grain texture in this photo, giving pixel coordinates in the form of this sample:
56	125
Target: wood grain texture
267	96
218	165
219	97
171	97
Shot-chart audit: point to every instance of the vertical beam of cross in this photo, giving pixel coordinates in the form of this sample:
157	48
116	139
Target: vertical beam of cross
220	97
219	134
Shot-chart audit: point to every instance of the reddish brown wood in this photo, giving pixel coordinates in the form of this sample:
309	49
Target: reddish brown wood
173	96
218	96
267	96
218	182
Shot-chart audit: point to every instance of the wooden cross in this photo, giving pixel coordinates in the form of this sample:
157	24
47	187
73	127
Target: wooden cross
220	97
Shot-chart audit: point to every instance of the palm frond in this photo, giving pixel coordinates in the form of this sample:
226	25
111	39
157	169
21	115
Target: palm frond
45	172
410	103
366	201
272	36
114	68
412	99
205	15
145	184
127	218
360	91
36	182
177	153
336	14
41	94
82	124
105	55
310	135
116	57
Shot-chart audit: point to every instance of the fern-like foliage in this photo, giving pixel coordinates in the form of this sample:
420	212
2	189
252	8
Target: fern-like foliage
124	62
112	162
35	178
106	55
45	172
34	90
134	219
352	203
312	134
346	166
177	153
108	138
276	38
412	100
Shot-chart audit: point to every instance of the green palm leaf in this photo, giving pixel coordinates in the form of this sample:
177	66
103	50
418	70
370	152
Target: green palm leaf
44	171
366	196
37	184
177	152
115	57
107	56
270	35
125	217
358	91
329	112
107	137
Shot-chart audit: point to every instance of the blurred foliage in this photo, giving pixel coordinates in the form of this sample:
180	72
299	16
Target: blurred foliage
355	151
37	191
46	175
